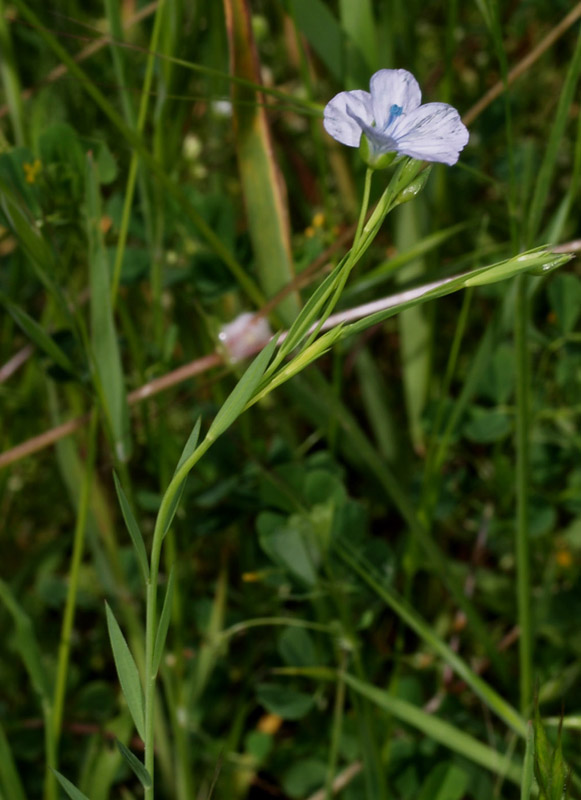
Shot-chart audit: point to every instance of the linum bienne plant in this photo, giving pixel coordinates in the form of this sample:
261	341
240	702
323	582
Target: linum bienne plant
392	130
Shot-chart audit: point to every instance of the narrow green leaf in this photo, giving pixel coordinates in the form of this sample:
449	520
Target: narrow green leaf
9	778
242	392
436	729
27	645
528	766
133	528
37	334
191	444
188	450
136	765
265	201
558	770
538	261
542	753
323	32
127	672
552	149
164	620
416	622
103	335
28	235
70	788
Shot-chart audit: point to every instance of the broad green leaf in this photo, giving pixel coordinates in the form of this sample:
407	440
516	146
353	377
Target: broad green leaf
302	778
291	544
70	788
242	393
265	201
286	703
133	528
164	620
127	672
188	450
487	425
447	781
297	648
9	778
104	340
136	765
37	334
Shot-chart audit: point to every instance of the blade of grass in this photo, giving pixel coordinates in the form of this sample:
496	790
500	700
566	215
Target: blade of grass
262	183
414	331
11	80
424	630
127	672
104	340
436	729
547	168
70	605
9	778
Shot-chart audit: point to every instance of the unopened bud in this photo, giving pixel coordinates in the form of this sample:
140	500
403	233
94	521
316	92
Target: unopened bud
244	336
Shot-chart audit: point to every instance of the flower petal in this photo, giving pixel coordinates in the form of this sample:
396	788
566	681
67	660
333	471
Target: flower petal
342	126
393	87
433	132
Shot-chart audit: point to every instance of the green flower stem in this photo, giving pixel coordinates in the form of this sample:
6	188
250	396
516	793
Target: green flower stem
523	576
165	511
69	614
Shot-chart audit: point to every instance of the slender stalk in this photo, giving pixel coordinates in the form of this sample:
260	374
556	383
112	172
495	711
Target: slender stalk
69	615
134	164
151	601
523	576
338	711
76	558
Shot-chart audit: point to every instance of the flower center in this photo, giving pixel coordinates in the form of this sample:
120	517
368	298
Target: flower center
394	112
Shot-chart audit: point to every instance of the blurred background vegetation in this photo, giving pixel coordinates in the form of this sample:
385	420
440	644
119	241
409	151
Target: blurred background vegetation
147	200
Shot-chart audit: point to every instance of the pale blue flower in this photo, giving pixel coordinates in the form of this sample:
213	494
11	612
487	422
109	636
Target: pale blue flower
393	121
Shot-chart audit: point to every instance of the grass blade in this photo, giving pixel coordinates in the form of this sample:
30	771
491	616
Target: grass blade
261	180
411	618
547	167
136	765
164	620
242	392
127	672
27	645
9	778
37	334
133	528
70	788
103	335
188	450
